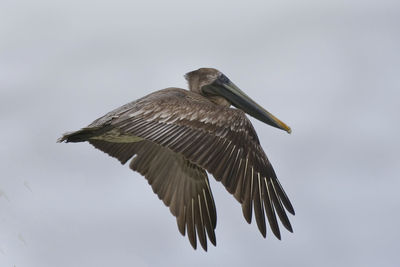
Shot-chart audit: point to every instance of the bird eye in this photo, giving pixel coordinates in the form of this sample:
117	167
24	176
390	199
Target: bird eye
222	78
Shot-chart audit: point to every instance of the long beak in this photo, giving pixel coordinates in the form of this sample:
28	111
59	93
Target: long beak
239	99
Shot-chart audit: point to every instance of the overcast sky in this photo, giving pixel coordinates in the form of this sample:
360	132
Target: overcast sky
329	69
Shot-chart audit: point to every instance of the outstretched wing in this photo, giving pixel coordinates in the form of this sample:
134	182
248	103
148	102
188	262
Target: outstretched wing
219	139
180	184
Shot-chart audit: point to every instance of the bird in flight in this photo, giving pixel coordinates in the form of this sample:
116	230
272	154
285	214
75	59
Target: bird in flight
173	136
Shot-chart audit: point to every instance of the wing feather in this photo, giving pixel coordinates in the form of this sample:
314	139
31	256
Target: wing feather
180	184
258	204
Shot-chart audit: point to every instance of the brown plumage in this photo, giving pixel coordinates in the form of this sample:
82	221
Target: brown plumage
174	136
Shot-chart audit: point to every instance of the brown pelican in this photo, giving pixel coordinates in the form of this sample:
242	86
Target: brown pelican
174	136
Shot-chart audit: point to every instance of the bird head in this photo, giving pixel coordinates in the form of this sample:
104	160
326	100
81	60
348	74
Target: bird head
211	82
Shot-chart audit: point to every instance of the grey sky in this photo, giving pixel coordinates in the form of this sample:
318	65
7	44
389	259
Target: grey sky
329	69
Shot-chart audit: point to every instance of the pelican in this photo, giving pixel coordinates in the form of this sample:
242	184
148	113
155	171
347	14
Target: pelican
175	136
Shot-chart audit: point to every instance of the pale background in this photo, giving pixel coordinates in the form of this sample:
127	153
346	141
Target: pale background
329	69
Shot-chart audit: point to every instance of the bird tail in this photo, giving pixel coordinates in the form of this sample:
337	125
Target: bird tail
79	136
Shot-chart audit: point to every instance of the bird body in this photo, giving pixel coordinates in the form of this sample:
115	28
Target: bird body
174	136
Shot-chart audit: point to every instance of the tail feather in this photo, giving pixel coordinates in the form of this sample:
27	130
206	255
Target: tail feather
80	135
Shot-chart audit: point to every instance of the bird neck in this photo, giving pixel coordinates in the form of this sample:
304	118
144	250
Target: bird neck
219	100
